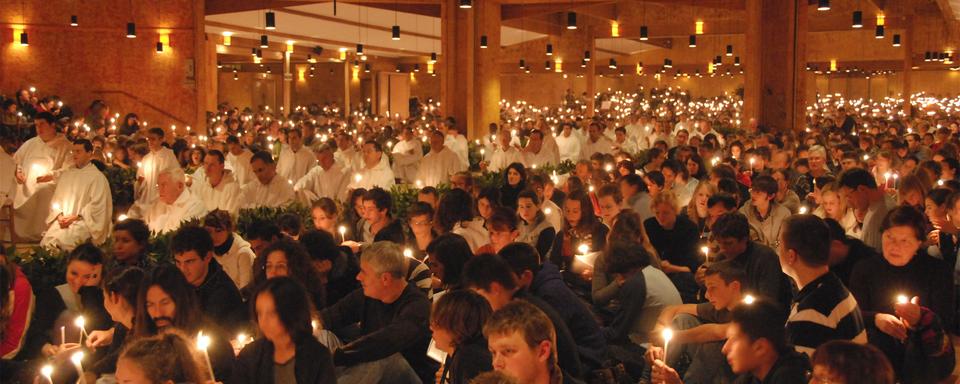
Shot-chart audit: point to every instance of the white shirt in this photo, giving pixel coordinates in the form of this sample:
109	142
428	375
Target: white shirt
350	158
225	196
238	261
277	193
31	200
602	145
569	147
379	176
321	182
502	158
458	144
406	159
84	192
541	158
437	167
152	165
162	217
293	165
240	165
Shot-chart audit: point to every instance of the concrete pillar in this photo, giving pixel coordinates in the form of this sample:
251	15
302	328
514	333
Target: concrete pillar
347	78
906	44
469	75
206	77
287	83
774	83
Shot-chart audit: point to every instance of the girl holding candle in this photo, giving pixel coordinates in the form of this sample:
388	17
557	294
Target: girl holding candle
911	333
580	226
75	297
120	301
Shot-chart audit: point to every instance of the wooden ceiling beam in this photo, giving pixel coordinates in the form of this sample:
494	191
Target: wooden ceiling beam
352	22
216	7
309	39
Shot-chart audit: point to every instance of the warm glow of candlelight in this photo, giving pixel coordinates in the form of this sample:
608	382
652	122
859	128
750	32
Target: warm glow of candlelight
902	299
408	253
583	248
749	299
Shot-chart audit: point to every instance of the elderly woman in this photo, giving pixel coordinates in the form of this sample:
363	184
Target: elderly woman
906	298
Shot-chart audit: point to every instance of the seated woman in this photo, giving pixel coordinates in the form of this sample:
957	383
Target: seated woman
287	352
696	209
675	239
580	226
336	266
514	181
487	200
833	206
131	238
535	229
447	255
457	321
160	359
286	257
907	298
627	227
935	209
325	215
232	252
455	214
120	300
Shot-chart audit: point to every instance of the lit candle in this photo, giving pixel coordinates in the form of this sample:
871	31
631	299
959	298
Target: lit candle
902	299
343	231
803	210
706	252
583	249
203	342
419	183
408	253
667	335
47	371
749	299
80	322
122	217
547	211
886	178
63	335
77	359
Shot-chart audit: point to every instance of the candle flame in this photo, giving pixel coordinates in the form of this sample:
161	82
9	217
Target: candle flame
749	299
902	299
77	357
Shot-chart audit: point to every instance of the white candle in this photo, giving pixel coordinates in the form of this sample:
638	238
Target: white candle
47	371
63	335
803	210
667	335
408	253
80	322
706	252
203	342
77	359
749	299
343	231
902	299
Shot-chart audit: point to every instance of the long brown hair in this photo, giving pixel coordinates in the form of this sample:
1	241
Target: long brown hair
167	357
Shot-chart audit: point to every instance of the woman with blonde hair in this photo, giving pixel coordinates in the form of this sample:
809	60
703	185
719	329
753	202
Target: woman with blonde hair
696	209
833	206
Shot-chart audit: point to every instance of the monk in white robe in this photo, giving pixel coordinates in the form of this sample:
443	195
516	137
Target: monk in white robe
238	161
268	189
159	160
505	154
407	155
456	142
568	143
596	142
174	205
535	154
39	163
82	204
328	179
438	165
347	154
295	160
218	189
8	179
376	170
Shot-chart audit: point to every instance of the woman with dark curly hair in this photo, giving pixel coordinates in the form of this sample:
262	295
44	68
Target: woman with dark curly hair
514	181
286	257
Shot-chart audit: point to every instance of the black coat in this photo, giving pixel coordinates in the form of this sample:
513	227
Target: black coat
469	360
312	363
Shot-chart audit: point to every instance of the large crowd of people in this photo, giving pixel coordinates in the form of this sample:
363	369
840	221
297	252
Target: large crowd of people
685	244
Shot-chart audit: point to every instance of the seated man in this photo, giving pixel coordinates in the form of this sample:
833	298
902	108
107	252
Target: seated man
232	252
167	300
437	166
491	277
82	204
374	171
267	189
544	281
700	329
220	300
394	322
327	179
756	348
219	189
523	343
731	232
174	205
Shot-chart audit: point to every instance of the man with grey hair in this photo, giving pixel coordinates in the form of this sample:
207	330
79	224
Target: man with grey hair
394	322
174	205
328	179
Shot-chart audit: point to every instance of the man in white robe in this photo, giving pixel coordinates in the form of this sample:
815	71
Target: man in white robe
438	165
158	160
295	160
39	163
406	156
268	189
174	205
218	189
505	154
455	141
82	204
238	161
376	170
535	154
596	142
327	179
347	154
568	144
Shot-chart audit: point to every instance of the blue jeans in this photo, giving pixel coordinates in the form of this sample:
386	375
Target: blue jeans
707	363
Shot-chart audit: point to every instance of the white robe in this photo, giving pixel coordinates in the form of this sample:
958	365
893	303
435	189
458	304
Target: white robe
379	176
162	217
553	213
501	159
238	261
458	144
437	167
8	179
603	145
474	232
321	182
544	157
84	192
293	165
240	165
152	165
406	159
277	193
569	147
225	196
349	158
38	158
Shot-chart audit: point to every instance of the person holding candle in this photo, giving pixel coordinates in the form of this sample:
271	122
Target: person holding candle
675	238
823	309
39	163
374	171
165	358
336	267
167	302
859	189
756	348
763	212
120	301
534	227
580	226
327	180
911	334
422	230
446	256
82	204
286	352
174	204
